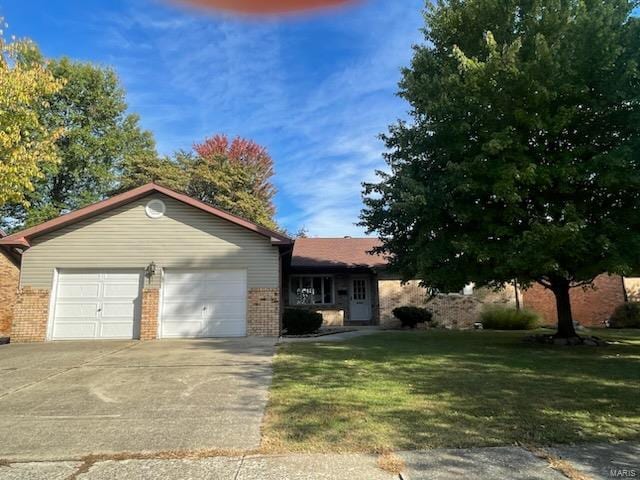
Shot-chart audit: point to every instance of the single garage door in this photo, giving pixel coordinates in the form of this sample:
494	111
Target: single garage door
93	304
204	303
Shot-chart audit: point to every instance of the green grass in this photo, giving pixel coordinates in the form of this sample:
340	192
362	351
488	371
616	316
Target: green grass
411	390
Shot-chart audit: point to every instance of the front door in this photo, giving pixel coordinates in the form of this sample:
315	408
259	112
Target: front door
360	305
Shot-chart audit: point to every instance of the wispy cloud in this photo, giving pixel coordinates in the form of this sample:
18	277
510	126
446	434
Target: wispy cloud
316	91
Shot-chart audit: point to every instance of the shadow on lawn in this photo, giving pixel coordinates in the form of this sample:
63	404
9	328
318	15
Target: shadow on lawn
453	389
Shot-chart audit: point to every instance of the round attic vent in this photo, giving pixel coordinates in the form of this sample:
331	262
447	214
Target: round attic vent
155	208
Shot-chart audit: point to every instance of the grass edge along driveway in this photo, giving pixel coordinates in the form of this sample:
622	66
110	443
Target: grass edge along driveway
452	389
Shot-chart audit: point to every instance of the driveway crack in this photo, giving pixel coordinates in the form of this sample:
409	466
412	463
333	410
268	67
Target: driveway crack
235	477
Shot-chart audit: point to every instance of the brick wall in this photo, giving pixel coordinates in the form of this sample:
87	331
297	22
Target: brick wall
590	307
455	310
149	315
30	315
264	312
392	294
9	280
449	310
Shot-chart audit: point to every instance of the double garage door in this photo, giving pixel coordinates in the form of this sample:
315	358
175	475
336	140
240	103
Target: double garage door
107	304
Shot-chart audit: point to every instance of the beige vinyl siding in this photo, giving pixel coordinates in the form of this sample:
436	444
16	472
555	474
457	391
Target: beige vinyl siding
125	237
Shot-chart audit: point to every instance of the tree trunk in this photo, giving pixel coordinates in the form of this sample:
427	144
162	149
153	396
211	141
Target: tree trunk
560	288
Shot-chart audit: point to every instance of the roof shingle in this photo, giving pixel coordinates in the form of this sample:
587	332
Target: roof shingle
336	252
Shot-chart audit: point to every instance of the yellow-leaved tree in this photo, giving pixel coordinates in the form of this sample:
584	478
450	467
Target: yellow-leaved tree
26	145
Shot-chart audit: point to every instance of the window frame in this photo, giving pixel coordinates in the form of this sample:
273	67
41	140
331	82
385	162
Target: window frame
293	296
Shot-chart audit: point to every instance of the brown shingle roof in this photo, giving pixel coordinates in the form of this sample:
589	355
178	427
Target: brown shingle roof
336	252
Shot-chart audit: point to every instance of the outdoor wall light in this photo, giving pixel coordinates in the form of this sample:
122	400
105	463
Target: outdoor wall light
150	270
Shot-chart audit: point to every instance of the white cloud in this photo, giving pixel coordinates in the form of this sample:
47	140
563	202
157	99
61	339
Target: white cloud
320	116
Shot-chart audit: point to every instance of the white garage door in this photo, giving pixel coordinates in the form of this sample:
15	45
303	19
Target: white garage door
96	305
204	303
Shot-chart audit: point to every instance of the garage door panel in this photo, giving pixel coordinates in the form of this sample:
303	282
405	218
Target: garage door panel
77	310
188	308
116	330
78	290
227	308
204	303
187	290
96	305
182	277
118	309
121	277
63	330
182	328
120	290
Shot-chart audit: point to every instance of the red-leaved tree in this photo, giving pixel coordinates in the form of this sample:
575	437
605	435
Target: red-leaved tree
244	167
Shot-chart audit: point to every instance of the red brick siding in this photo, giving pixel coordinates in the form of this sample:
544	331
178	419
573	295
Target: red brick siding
591	307
30	315
149	317
9	280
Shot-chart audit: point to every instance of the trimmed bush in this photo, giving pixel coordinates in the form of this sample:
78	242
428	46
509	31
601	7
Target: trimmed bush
509	319
626	315
298	321
412	316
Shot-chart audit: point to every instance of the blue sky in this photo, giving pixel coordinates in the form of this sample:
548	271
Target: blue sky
316	90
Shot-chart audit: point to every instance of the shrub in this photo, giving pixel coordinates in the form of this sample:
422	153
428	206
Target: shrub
297	321
626	315
411	316
509	319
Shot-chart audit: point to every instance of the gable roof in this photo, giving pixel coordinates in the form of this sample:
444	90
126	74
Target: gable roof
22	238
336	253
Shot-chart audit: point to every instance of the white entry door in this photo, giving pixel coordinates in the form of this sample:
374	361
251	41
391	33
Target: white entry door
360	305
204	303
96	304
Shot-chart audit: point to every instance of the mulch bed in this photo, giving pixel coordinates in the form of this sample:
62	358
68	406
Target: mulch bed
322	333
588	341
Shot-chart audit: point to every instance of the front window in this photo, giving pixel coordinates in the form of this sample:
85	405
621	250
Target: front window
311	290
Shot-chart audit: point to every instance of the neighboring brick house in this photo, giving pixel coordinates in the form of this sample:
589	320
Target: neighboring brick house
148	263
9	279
591	306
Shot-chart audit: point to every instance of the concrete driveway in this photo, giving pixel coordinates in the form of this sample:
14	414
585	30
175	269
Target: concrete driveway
64	400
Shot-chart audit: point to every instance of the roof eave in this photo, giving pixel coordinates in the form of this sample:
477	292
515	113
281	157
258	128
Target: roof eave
22	238
10	241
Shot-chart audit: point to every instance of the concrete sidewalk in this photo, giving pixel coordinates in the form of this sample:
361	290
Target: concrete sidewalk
597	462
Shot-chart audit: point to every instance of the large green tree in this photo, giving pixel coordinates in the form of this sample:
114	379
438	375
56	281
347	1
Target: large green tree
97	137
522	158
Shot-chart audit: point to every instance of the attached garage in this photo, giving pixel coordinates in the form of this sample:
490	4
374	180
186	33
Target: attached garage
96	305
149	263
204	303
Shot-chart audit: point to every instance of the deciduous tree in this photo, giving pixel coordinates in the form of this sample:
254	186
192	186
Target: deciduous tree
232	175
98	136
522	158
27	144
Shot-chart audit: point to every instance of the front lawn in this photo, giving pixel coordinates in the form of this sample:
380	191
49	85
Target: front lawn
411	390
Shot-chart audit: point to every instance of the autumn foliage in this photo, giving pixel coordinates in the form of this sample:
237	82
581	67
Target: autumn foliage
244	153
